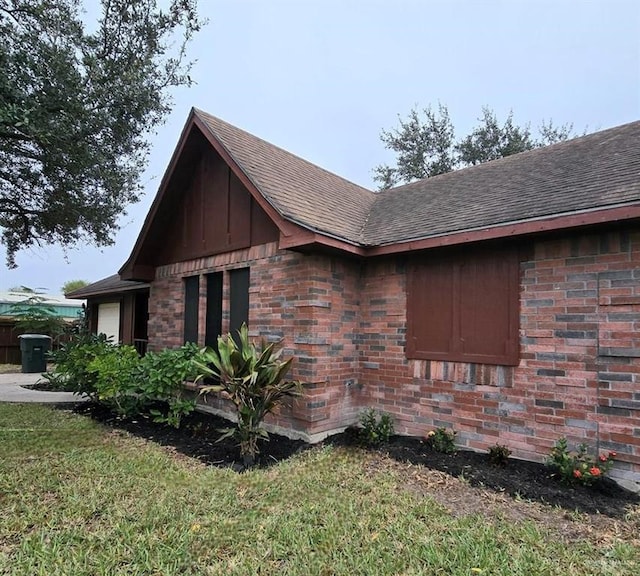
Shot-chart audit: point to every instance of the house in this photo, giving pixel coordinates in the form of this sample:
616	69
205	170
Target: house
501	300
57	305
117	308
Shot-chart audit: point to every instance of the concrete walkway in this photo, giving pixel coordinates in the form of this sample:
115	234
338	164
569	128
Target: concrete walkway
11	390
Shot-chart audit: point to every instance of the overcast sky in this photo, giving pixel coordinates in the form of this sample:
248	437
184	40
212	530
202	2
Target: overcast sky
321	78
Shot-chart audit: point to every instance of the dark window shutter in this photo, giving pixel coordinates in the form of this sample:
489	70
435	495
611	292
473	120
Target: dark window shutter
239	299
191	298
214	309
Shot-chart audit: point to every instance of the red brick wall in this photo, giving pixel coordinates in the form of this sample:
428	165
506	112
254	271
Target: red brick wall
345	323
579	374
309	302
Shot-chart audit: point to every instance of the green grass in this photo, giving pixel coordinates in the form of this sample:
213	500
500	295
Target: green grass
76	499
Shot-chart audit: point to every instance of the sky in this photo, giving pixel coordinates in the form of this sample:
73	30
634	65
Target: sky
322	78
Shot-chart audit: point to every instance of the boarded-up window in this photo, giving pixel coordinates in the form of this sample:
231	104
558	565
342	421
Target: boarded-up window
239	299
464	307
191	297
109	320
214	309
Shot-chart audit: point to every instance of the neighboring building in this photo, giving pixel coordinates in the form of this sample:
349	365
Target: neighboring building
68	310
501	300
118	309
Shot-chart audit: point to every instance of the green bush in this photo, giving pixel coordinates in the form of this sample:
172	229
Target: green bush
72	361
115	371
254	380
442	440
375	429
578	467
161	378
117	377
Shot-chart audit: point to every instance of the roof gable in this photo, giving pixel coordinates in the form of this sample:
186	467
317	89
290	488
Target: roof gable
597	175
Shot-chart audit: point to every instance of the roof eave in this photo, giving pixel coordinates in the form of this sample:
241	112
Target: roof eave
513	229
108	291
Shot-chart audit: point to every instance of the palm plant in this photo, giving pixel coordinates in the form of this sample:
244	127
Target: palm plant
254	380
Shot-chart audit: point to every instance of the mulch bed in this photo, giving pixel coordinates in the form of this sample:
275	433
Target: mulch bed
526	480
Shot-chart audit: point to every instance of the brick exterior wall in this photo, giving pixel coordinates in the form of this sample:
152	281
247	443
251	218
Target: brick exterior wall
345	322
579	373
309	302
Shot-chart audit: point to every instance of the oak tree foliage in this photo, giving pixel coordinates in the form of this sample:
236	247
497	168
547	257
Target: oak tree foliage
79	97
425	143
73	285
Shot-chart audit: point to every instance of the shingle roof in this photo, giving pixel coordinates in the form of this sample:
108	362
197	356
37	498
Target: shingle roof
591	172
594	171
299	190
107	286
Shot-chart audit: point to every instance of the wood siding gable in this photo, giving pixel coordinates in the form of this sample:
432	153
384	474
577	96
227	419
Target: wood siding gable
215	214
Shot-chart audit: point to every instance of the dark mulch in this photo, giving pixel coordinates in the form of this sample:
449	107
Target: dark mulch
46	386
519	478
197	437
526	480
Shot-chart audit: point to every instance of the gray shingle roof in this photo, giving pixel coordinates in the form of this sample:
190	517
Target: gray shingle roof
595	171
299	190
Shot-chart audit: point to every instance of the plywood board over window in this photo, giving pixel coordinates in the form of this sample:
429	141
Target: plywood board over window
239	299
109	320
191	301
464	307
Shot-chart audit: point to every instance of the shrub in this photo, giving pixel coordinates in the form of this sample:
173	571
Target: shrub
578	467
499	455
72	361
115	376
442	440
115	371
254	380
161	378
375	429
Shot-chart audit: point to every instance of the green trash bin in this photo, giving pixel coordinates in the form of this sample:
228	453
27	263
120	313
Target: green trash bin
34	348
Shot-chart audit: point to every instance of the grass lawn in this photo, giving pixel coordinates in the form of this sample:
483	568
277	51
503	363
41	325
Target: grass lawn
78	499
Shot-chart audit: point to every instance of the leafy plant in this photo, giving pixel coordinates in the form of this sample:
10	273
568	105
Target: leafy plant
442	440
34	316
254	380
577	466
116	376
72	362
499	455
161	379
375	429
115	379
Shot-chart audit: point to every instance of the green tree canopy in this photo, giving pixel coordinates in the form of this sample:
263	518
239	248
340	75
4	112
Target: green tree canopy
77	103
72	285
425	144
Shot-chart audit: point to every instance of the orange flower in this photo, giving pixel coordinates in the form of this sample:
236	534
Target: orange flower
595	471
577	474
603	458
612	454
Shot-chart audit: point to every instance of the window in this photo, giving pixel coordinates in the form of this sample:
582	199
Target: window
239	299
464	307
191	298
214	309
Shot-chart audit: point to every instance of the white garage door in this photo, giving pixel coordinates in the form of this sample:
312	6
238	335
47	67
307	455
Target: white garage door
109	320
